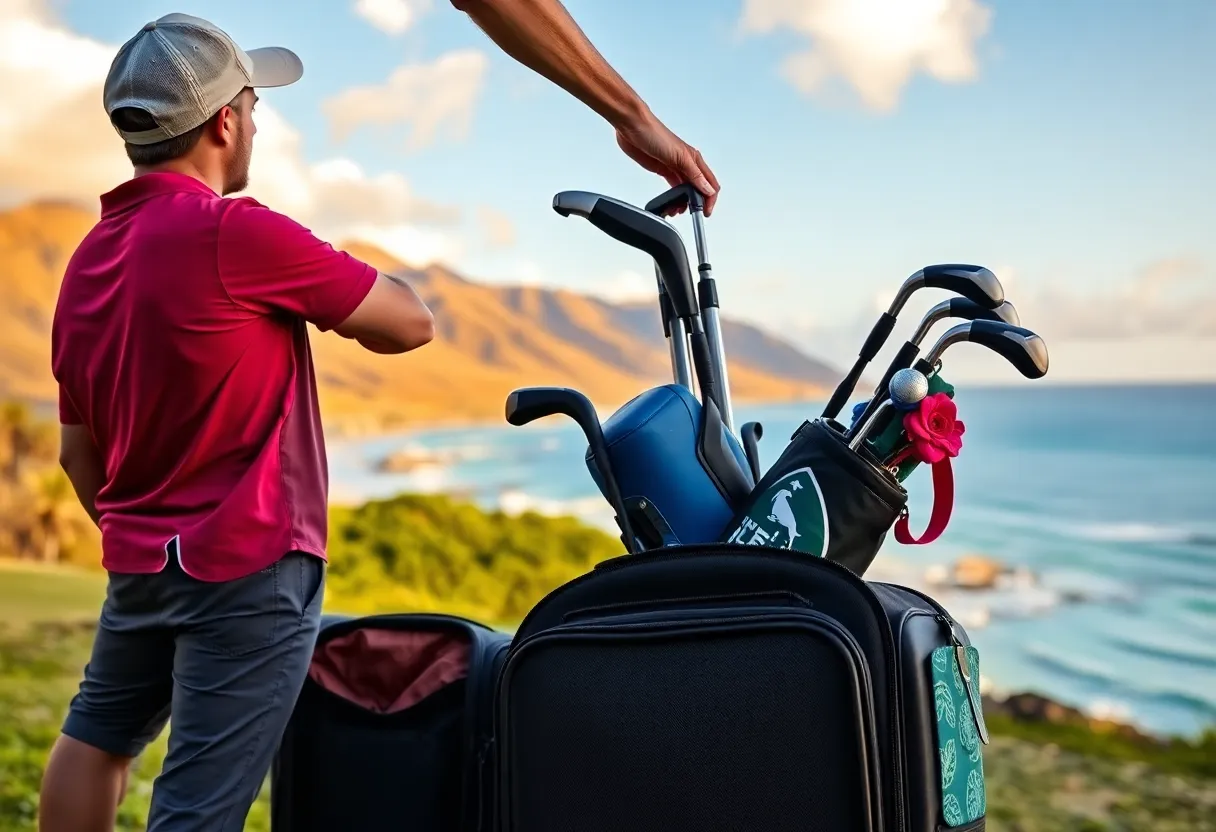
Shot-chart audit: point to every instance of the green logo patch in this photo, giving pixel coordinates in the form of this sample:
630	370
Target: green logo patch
790	514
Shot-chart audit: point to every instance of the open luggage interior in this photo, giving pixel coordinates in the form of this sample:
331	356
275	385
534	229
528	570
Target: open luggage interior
390	728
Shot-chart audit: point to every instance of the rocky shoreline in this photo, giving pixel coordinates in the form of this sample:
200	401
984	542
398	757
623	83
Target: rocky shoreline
1035	709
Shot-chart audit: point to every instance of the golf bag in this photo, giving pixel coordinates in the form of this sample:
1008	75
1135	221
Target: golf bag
822	498
731	688
392	728
680	471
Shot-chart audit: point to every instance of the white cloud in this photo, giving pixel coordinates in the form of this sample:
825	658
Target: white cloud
393	17
875	46
1158	324
628	286
1172	297
55	140
425	98
497	228
56	143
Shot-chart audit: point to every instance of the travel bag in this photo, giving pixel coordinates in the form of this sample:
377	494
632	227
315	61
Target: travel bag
392	728
735	688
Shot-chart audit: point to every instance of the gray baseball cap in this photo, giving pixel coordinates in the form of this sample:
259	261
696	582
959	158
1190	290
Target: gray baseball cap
182	70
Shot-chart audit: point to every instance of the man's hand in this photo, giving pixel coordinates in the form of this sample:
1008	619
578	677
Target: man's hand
541	35
661	151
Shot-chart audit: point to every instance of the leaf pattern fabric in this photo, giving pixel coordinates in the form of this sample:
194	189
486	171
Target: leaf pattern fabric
960	751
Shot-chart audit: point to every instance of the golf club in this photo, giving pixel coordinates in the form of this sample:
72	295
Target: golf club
751	434
1024	349
975	283
675	333
949	308
707	290
658	238
528	404
906	389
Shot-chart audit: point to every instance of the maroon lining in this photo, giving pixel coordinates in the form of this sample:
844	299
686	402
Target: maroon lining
387	671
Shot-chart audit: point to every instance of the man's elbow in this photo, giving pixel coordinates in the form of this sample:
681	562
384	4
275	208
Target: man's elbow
422	332
417	332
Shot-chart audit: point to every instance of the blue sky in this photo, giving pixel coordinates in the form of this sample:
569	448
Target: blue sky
1077	163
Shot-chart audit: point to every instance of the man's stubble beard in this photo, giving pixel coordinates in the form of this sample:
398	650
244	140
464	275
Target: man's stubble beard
236	174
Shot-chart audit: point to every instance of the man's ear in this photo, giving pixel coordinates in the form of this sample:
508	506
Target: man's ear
224	125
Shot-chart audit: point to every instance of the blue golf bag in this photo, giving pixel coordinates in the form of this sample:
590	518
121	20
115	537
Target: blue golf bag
681	473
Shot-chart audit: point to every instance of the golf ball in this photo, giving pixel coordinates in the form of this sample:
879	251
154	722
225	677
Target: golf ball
908	387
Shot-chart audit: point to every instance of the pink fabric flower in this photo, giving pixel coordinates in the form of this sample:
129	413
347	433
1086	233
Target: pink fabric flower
934	428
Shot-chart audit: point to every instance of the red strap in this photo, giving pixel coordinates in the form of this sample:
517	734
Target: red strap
943	504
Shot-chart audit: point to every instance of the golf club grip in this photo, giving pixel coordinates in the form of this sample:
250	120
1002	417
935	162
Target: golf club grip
683	194
665	247
844	390
874	341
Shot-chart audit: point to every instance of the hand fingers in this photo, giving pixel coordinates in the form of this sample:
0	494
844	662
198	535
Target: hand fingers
713	181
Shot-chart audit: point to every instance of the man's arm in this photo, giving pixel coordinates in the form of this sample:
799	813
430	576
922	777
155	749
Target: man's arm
390	319
82	462
268	263
542	36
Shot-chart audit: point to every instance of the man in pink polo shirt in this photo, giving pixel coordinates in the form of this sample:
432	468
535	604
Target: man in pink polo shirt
190	425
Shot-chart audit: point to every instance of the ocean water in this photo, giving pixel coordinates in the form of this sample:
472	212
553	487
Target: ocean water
1106	495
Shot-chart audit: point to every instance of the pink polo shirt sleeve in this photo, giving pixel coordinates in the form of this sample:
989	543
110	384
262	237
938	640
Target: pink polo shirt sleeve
67	410
270	263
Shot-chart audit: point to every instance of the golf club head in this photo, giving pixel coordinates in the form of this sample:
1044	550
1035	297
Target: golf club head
967	310
1024	349
527	404
642	230
975	283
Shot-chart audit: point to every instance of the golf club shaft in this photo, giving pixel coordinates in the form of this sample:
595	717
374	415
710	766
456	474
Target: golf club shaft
874	341
677	336
860	430
707	291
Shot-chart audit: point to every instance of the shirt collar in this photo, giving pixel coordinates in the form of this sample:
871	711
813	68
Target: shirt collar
148	185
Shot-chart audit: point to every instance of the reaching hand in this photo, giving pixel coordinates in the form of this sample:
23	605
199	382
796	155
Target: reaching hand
654	147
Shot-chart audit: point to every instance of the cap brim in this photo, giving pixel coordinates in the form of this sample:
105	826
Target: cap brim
275	66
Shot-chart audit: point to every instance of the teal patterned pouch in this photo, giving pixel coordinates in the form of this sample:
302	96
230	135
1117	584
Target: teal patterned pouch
961	733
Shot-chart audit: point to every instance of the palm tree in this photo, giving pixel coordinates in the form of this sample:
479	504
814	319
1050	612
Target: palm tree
55	522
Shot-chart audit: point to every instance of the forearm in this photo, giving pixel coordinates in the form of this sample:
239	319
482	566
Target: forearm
87	477
541	35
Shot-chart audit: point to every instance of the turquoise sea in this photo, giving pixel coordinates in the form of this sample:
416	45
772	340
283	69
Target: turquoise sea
1106	495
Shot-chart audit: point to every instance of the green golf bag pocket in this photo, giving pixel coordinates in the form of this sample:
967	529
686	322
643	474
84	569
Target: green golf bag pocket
823	499
960	726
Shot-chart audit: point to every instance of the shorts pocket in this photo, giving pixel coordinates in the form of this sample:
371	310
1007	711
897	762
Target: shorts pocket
311	584
240	617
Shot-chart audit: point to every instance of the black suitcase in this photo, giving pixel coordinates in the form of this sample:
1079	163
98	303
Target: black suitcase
736	688
392	728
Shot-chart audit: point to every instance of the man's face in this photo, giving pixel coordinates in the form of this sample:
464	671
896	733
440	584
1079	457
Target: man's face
236	162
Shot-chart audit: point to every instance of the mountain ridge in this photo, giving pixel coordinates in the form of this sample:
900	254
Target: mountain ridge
490	339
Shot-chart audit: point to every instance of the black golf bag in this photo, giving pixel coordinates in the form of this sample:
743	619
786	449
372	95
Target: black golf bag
392	729
821	498
733	688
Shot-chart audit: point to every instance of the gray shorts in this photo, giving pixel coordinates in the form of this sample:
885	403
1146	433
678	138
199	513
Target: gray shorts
227	659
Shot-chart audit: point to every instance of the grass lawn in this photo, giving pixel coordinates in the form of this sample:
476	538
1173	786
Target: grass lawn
33	592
